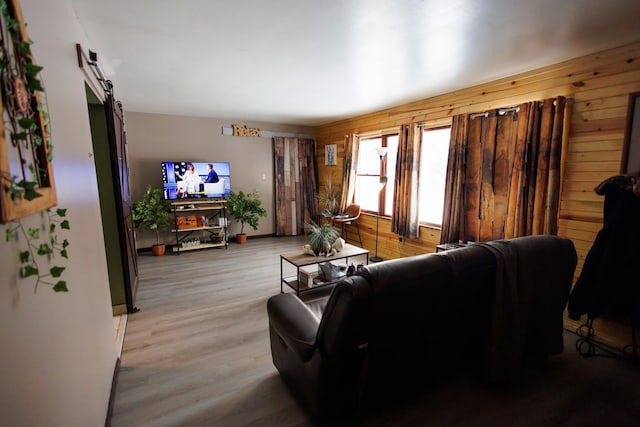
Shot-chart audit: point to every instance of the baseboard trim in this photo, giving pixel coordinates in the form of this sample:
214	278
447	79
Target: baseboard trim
231	239
253	236
120	332
119	309
112	395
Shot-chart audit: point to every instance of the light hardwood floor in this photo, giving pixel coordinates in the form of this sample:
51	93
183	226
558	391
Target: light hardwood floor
197	354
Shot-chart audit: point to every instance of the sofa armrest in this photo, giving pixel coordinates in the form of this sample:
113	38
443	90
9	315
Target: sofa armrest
294	323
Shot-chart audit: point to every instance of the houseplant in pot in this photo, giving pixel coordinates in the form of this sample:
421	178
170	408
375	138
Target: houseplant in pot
329	197
322	237
246	208
152	213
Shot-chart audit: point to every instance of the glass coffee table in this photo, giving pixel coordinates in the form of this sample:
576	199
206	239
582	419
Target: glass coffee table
310	280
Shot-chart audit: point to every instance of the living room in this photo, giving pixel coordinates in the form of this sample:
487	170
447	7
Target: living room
60	365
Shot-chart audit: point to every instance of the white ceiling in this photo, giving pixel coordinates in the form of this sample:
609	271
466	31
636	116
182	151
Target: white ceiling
313	62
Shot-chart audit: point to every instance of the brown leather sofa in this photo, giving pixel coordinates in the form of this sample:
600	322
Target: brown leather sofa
405	324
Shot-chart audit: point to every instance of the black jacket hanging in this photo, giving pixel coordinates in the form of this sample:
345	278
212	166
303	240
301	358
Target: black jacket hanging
610	278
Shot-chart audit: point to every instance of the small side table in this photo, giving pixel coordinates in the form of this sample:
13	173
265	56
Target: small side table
447	246
297	259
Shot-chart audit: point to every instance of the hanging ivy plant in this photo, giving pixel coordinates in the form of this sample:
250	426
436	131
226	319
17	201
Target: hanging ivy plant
26	151
36	247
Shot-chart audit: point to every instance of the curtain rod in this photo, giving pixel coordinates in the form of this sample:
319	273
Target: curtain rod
437	123
377	132
476	115
501	112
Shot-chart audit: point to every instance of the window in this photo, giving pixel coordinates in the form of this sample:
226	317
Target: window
433	174
370	193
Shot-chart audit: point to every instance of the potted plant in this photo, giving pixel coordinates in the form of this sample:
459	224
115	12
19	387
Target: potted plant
329	197
322	237
246	208
152	212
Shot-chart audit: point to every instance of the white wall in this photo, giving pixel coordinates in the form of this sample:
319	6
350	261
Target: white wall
153	138
58	351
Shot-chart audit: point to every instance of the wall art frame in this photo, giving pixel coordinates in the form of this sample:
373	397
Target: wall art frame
331	154
26	172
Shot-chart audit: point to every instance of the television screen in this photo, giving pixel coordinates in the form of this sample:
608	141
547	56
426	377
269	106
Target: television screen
181	180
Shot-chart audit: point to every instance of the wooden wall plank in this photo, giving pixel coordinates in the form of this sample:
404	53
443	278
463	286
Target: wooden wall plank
600	104
591	166
589	156
599	84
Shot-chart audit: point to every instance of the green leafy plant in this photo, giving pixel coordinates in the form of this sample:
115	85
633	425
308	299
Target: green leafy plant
27	129
246	208
152	212
36	248
22	189
321	237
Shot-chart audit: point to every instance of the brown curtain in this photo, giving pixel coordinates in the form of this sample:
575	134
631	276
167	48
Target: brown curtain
349	165
404	219
503	175
296	186
452	218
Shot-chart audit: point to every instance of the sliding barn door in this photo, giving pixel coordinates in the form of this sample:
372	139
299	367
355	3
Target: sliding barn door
120	172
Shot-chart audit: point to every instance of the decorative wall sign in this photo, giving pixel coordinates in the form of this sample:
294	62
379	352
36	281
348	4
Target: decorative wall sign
331	154
228	131
26	173
245	131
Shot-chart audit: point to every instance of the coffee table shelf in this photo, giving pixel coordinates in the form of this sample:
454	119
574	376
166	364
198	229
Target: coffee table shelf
298	260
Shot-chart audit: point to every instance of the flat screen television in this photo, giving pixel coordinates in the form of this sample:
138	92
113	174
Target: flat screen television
195	180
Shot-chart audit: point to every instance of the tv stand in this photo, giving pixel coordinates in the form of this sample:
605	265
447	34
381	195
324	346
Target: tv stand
199	224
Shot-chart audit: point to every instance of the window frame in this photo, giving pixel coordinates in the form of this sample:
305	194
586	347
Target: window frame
382	195
425	129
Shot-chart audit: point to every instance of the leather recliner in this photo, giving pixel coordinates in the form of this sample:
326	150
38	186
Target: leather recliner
403	323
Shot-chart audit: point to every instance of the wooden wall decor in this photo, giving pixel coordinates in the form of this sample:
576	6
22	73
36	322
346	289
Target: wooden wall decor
331	154
245	131
631	150
26	172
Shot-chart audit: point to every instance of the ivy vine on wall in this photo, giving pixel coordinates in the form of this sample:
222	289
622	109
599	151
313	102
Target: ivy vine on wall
35	247
26	151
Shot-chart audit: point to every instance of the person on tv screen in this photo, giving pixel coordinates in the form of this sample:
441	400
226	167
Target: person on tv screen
190	181
212	176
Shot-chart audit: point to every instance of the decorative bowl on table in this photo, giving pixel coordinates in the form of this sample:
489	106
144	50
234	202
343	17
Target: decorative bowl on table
331	272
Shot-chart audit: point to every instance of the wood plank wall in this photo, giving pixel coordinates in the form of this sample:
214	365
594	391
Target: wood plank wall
599	84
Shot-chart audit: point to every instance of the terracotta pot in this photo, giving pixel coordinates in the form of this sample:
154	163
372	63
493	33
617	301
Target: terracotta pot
157	250
241	238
